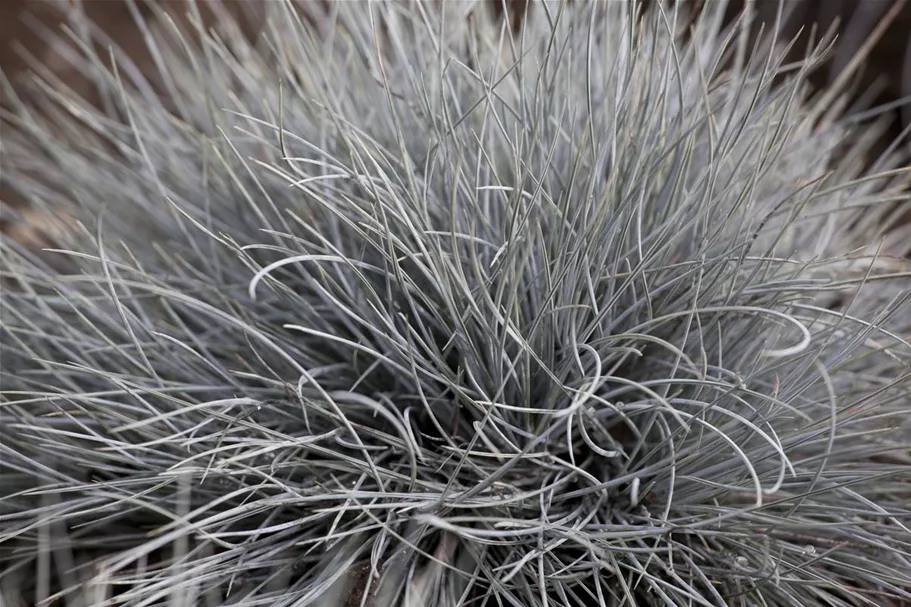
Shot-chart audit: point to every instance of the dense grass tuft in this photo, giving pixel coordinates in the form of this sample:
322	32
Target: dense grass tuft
393	308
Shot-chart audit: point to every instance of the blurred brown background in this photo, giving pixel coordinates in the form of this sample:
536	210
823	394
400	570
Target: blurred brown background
18	18
11	28
21	22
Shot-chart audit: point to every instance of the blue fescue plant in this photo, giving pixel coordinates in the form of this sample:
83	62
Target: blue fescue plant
391	307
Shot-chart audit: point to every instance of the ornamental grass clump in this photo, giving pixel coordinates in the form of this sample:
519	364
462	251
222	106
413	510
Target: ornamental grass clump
390	306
